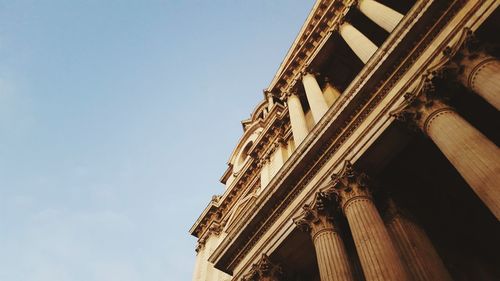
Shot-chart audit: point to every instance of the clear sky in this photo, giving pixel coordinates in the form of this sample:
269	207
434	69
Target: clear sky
117	118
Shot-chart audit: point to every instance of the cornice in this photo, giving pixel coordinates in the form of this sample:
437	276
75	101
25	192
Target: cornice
202	219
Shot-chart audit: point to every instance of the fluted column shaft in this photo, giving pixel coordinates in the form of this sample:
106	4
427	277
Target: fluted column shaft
481	73
415	247
378	256
314	96
474	156
377	253
382	15
333	261
363	47
297	119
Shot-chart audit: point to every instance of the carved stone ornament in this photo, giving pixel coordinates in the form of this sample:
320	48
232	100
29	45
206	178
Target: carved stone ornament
349	184
318	216
426	99
423	103
263	270
466	48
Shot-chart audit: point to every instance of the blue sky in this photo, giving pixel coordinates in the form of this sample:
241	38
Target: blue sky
117	118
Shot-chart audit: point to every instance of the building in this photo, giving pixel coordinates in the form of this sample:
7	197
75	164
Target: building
373	154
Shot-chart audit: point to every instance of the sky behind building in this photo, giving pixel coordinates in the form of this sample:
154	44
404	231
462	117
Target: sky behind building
117	119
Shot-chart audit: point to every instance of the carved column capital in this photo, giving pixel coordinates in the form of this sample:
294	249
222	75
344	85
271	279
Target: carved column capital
421	106
466	46
264	269
317	217
350	185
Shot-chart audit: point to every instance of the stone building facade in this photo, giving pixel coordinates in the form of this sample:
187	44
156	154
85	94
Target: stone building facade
373	154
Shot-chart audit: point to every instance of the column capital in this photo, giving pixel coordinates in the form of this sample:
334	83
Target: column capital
423	105
264	269
467	44
349	185
457	58
317	216
459	61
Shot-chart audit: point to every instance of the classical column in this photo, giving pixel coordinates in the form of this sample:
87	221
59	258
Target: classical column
330	93
358	42
474	156
333	261
480	72
377	253
415	247
297	119
314	96
382	15
263	270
